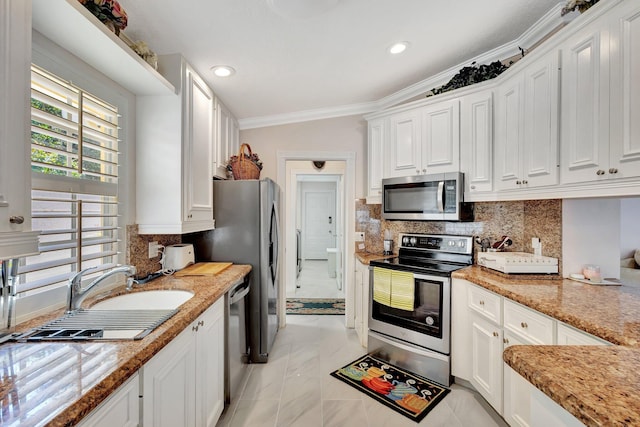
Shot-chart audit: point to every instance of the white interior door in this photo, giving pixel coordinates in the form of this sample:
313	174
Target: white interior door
318	223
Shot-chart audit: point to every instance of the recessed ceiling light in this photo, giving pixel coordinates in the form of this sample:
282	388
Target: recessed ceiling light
398	47
223	70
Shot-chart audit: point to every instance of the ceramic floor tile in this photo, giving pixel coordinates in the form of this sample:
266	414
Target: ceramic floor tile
255	413
342	413
295	389
314	282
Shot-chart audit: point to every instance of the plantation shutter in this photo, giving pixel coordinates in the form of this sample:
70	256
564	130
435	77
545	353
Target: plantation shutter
74	163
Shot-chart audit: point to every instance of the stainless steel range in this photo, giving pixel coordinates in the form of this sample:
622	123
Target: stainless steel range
410	305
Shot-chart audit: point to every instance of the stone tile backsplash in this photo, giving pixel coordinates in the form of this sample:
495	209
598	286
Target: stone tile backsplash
138	249
520	220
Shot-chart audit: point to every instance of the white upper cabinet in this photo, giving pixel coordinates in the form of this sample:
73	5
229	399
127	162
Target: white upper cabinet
404	144
585	105
174	154
476	141
16	237
625	92
526	150
425	140
375	153
600	98
440	147
225	139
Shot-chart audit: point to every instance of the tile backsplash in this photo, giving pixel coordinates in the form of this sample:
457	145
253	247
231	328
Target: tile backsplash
138	249
520	220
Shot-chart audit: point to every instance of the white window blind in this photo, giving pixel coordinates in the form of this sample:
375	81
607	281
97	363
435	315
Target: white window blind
74	163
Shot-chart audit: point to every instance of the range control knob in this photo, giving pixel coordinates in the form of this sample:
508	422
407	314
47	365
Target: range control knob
451	243
413	241
461	243
405	240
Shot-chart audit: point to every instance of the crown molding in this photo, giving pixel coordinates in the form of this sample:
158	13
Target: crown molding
547	24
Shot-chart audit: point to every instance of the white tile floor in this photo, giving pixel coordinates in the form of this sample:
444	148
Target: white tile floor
295	389
315	282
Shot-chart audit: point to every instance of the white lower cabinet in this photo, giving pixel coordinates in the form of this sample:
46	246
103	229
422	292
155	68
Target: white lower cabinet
545	412
361	318
571	336
122	408
486	356
516	405
183	384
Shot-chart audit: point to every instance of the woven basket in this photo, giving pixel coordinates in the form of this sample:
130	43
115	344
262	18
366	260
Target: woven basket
242	167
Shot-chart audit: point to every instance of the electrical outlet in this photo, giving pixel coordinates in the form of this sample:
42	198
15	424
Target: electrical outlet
359	236
153	249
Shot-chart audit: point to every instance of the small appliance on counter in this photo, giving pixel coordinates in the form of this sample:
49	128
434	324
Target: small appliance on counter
177	257
518	262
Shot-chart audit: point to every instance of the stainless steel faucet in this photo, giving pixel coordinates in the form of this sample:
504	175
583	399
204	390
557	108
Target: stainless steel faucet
76	294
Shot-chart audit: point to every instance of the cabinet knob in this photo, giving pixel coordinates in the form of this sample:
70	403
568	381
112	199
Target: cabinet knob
424	171
524	324
600	172
473	187
481	302
379	191
518	182
505	340
525	181
195	328
418	171
495	334
15	219
201	323
613	170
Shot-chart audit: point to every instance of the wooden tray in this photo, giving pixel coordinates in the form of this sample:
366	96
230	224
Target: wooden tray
204	269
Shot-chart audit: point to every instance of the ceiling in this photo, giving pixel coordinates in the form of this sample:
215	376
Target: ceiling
294	56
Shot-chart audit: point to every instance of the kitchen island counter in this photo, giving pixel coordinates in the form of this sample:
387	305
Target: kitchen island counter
598	385
59	383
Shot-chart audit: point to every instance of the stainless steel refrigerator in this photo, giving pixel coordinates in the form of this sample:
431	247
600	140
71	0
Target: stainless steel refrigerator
246	214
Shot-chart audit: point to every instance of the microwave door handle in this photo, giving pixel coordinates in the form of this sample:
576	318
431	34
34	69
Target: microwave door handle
441	196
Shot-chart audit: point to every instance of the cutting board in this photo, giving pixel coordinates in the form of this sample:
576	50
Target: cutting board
203	269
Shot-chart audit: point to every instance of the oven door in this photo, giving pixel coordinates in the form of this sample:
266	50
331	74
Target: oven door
427	325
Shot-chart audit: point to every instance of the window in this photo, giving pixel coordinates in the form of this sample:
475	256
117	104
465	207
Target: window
74	163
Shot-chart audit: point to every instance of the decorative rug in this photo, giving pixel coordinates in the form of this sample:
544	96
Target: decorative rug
411	395
315	306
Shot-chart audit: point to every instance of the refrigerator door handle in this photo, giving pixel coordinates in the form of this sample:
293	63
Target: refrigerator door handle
274	256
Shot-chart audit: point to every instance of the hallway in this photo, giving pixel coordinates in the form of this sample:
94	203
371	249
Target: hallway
314	282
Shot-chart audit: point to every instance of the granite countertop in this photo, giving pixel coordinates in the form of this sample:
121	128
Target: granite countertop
598	385
366	257
58	383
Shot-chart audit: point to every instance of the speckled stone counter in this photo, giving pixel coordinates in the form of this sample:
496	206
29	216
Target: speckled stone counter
57	384
366	257
599	385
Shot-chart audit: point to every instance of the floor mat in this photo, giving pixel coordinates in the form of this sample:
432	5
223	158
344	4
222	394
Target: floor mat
315	306
411	395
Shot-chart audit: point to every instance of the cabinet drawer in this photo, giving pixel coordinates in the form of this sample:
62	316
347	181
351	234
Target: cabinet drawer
528	324
485	303
570	336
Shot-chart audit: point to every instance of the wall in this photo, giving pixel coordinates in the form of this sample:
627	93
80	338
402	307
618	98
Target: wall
520	220
591	235
629	226
342	134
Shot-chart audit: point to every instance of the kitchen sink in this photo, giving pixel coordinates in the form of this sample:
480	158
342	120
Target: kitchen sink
165	299
124	317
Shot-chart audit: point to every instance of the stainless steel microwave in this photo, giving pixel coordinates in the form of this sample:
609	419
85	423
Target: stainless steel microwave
436	197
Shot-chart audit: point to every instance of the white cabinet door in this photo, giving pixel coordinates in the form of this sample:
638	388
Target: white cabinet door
625	92
517	406
585	106
198	149
174	154
570	336
121	409
440	140
223	120
209	380
404	144
16	238
168	384
361	319
377	139
476	141
486	366
509	133
540	139
460	330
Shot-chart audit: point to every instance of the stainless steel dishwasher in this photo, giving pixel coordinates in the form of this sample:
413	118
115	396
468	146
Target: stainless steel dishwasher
236	343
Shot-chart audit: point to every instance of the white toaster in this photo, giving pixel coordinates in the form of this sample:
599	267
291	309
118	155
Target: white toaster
177	257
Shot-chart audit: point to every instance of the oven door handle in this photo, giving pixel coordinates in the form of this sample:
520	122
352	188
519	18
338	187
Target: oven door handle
441	196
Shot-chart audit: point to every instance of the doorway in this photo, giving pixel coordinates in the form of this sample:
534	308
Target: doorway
295	170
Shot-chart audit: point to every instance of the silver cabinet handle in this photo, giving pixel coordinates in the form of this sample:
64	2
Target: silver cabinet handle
505	340
600	172
495	334
525	182
481	302
16	219
613	170
195	328
518	182
524	324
